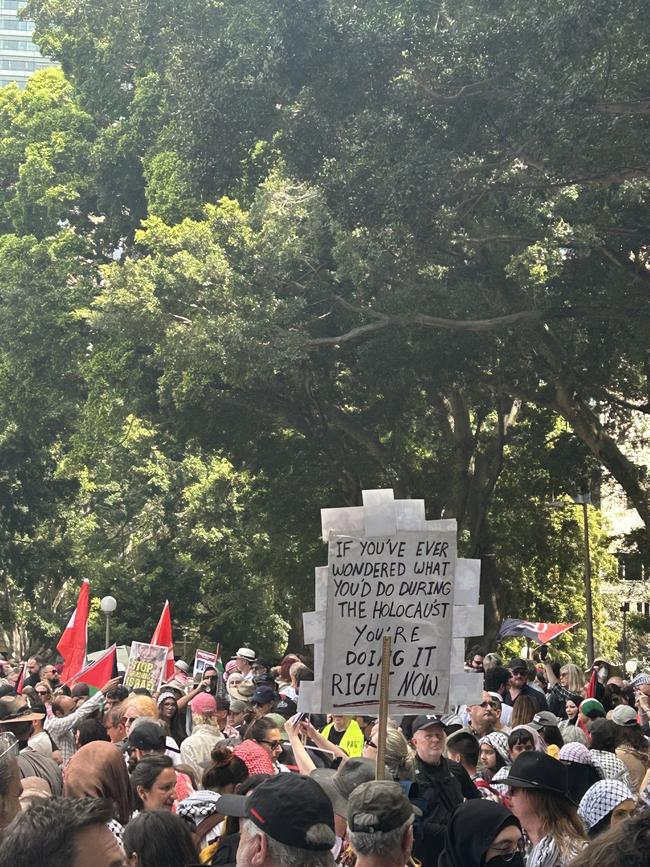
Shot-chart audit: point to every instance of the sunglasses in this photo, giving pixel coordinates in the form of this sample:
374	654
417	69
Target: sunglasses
518	671
273	744
128	719
372	744
492	704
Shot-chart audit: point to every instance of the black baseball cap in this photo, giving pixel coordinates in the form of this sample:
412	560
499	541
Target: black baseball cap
425	721
146	736
263	695
286	707
291	809
517	665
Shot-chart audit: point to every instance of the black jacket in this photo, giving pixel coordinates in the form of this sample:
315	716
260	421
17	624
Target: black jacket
441	789
538	697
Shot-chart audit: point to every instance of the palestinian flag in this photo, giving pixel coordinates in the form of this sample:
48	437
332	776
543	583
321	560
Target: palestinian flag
21	679
539	632
74	642
98	673
221	683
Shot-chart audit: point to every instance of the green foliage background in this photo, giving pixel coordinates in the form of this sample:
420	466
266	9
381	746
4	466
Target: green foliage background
257	256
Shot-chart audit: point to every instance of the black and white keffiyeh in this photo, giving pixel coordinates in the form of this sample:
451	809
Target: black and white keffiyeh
600	799
611	766
198	806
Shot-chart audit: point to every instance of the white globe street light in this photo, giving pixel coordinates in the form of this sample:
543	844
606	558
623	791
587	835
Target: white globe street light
108	605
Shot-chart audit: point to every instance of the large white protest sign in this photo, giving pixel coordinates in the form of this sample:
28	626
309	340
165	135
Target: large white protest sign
391	572
401	586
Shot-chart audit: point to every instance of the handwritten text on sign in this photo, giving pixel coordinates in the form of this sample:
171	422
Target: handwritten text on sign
402	586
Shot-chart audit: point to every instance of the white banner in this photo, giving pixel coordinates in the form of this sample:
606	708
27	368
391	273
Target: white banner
400	585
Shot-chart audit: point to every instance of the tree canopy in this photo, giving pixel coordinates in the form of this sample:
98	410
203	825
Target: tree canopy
259	256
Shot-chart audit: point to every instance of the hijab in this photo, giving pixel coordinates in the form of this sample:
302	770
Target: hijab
98	770
576	753
599	801
499	743
472	828
538	741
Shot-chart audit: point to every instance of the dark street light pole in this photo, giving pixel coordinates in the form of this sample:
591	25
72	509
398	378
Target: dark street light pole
584	500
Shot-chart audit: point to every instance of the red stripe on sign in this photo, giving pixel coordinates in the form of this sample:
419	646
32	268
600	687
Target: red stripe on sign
259	818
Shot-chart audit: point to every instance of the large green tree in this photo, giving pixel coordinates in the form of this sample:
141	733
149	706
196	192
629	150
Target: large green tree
382	245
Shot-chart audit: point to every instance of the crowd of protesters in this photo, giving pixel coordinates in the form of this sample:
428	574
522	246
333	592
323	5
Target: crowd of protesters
549	769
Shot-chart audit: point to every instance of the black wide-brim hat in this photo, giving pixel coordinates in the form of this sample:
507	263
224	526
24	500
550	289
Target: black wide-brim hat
537	771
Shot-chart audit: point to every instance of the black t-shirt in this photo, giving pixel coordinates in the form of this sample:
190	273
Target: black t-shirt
335	737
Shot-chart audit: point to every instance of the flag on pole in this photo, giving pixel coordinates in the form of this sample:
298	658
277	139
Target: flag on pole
21	679
222	691
540	632
163	638
74	641
99	672
590	691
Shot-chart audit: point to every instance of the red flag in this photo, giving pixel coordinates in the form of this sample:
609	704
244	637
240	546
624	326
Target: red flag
99	672
21	679
590	691
74	641
163	638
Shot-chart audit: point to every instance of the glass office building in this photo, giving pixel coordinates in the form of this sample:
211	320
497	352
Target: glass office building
19	57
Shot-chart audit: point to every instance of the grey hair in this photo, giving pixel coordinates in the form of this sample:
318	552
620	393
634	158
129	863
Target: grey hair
379	844
281	855
491	661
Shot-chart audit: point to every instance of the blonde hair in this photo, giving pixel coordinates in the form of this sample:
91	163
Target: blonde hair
399	758
575	678
144	705
559	820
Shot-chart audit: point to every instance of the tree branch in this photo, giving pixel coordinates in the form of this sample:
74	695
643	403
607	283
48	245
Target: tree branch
425	321
353	334
641	106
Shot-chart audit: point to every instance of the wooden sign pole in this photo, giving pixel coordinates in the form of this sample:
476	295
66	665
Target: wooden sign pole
384	686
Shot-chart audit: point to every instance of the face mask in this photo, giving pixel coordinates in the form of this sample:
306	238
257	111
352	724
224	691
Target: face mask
516	861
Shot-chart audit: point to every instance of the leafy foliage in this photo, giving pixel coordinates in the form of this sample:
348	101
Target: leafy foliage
359	246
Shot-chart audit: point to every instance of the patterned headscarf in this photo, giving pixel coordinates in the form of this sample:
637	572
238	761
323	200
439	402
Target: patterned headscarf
255	757
198	806
600	799
538	740
499	743
576	753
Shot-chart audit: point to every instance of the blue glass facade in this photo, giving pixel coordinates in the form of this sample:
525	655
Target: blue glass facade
19	57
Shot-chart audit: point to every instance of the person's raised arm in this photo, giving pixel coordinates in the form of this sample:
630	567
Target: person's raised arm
65	723
184	700
321	741
304	761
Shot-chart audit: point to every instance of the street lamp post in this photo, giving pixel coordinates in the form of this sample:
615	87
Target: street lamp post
584	500
625	607
108	605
